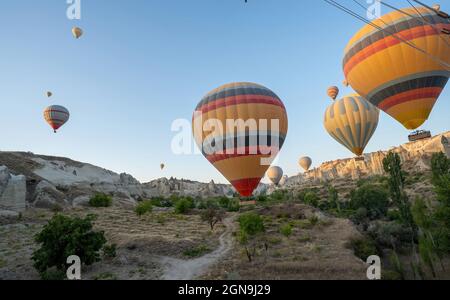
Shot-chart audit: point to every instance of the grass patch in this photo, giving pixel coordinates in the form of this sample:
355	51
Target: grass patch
105	276
196	251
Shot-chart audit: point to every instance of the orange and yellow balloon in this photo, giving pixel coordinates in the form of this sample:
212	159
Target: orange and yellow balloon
333	92
395	77
56	116
241	153
352	121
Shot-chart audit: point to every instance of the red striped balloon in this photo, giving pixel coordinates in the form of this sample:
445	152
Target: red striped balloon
56	116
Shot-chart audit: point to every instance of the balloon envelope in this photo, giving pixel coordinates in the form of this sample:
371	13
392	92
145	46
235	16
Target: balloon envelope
56	116
49	94
240	128
305	162
77	32
275	174
352	121
394	76
333	92
162	166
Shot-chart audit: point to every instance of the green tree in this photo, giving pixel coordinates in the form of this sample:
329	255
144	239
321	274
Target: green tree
65	236
212	215
371	197
393	167
250	234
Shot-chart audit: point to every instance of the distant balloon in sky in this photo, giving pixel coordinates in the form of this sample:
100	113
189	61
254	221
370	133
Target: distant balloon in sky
49	94
436	7
333	92
56	116
275	174
396	77
162	166
305	162
77	32
243	150
352	121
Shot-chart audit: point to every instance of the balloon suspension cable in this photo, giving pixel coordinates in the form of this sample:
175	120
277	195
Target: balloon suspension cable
412	45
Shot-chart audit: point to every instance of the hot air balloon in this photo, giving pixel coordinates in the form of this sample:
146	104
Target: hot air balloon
242	151
333	92
56	116
162	166
77	32
394	76
305	162
49	94
352	121
275	174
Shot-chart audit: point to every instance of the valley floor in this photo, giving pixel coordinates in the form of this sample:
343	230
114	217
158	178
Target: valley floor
163	245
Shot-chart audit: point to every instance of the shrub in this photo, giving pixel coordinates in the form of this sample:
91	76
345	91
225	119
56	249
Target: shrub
65	236
110	251
212	216
311	199
373	198
286	230
161	202
143	208
196	251
183	206
363	247
100	200
251	223
234	205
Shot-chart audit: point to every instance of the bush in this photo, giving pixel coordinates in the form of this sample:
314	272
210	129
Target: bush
251	223
286	230
363	247
65	236
110	251
196	251
100	200
234	205
183	206
212	216
373	198
161	202
311	199
143	208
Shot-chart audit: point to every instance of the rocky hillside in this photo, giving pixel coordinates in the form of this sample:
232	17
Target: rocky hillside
29	180
416	157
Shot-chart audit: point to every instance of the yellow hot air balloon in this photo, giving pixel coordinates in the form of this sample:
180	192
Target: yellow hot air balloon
352	121
333	92
395	77
77	32
275	174
240	128
305	162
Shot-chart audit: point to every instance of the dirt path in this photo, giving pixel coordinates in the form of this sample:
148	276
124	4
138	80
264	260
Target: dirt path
179	269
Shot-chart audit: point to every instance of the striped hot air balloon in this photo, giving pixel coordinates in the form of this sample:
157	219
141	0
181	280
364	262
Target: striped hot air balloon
392	75
333	92
56	116
352	121
240	128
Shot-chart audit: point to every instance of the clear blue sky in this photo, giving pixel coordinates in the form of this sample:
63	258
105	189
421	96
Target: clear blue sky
144	63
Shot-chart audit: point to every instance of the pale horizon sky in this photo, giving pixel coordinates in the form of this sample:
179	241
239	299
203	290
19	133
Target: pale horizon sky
142	64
